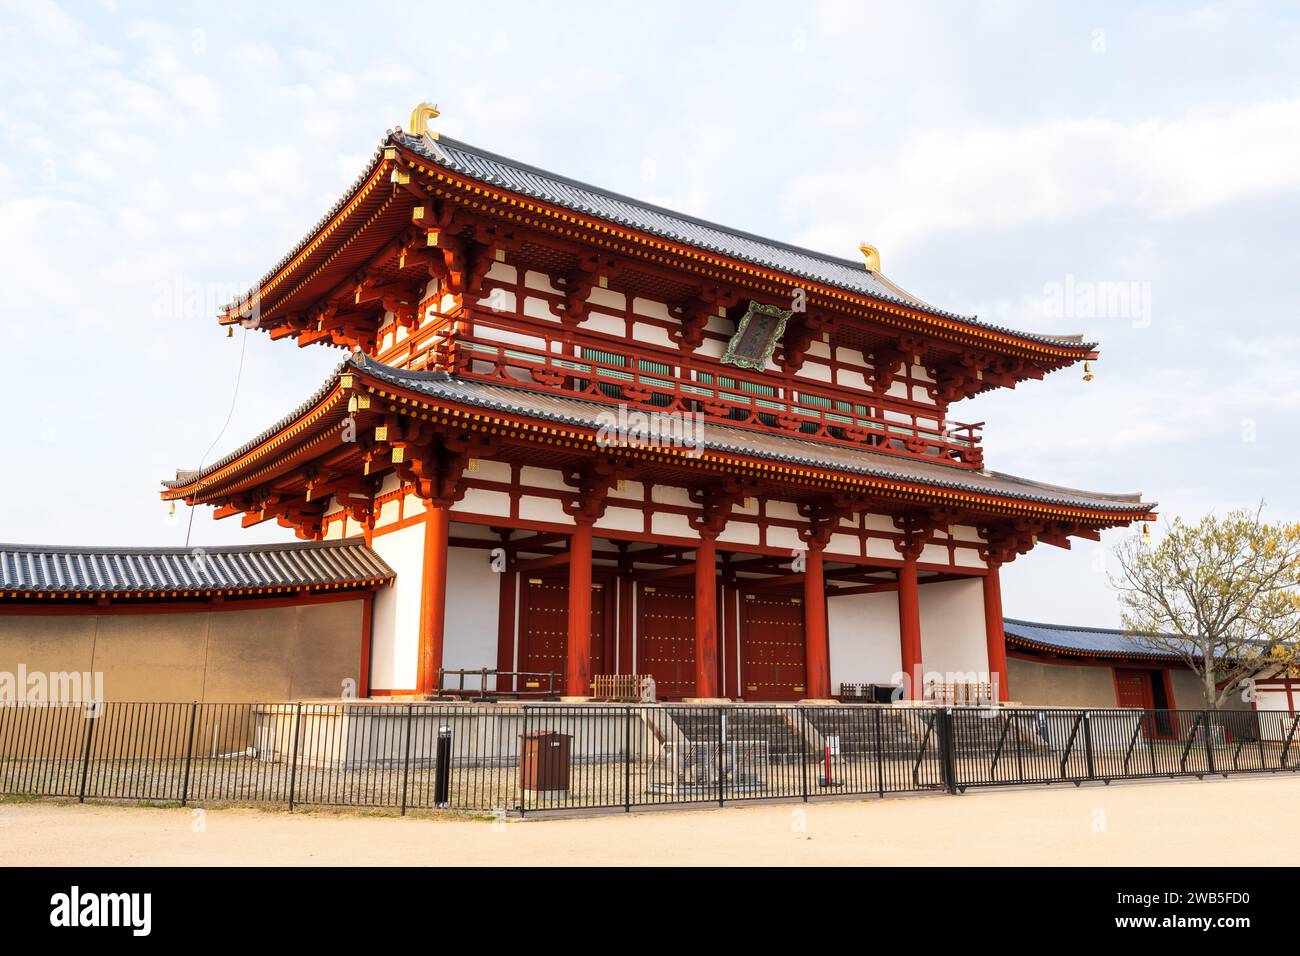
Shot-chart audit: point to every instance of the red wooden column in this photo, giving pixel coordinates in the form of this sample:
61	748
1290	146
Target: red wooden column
730	625
909	627
706	616
578	677
817	645
994	634
433	594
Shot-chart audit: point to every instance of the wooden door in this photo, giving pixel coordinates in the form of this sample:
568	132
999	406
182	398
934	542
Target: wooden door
1133	688
544	627
772	647
665	639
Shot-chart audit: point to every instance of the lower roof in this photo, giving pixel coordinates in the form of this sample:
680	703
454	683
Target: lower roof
713	437
757	444
1066	640
37	570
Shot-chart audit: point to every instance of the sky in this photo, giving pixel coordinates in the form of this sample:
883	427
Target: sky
1127	171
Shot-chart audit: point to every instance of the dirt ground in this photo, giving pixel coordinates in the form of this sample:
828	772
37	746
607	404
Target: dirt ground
1165	822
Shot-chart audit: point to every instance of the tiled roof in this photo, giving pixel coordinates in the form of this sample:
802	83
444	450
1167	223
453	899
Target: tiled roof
742	441
1081	641
186	475
496	170
523	179
36	569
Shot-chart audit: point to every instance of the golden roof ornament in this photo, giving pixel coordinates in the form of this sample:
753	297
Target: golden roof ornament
872	255
420	117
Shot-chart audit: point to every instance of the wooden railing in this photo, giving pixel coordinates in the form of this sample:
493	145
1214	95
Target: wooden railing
966	693
622	687
664	383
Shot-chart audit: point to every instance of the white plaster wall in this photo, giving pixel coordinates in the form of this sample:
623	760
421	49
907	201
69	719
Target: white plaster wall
785	538
952	629
396	620
473	608
478	501
739	532
864	638
543	509
843	544
621	519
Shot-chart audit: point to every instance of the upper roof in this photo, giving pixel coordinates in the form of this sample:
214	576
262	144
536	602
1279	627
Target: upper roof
1075	641
30	570
523	179
496	170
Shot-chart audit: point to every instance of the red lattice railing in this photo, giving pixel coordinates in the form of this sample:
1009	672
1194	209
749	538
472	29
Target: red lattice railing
660	382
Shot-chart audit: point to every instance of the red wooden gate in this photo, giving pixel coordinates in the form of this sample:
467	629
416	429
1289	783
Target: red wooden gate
1133	688
772	647
665	639
544	626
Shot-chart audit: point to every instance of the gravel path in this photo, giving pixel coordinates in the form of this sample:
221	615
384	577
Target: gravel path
1168	822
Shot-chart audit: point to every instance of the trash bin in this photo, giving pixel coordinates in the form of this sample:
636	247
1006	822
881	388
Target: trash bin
882	693
544	761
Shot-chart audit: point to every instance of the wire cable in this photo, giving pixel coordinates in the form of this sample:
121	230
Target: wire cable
239	377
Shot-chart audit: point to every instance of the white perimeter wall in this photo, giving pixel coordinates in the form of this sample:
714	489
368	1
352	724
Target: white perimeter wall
864	639
952	630
473	605
396	619
473	608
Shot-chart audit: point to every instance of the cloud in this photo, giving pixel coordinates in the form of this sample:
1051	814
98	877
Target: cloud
987	178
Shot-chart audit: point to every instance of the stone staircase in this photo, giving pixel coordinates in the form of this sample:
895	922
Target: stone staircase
900	731
977	734
779	727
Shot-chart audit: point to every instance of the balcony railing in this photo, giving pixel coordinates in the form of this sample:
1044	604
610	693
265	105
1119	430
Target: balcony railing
660	382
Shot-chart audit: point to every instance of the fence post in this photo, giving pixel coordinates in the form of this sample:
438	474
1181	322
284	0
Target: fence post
803	751
947	759
1209	744
722	746
90	736
1151	728
406	759
189	755
523	763
293	757
880	759
1087	744
627	761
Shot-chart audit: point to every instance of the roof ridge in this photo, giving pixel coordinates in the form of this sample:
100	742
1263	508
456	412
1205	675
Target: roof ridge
1066	627
338	543
1117	631
435	151
677	214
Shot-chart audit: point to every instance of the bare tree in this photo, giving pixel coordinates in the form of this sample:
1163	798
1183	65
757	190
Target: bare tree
1222	595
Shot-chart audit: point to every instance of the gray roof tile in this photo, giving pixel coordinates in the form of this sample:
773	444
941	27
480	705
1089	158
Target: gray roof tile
495	170
759	444
721	438
32	569
1088	641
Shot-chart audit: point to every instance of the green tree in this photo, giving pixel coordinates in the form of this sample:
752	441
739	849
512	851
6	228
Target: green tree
1223	595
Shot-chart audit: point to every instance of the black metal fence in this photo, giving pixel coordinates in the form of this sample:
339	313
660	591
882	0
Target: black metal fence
501	758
